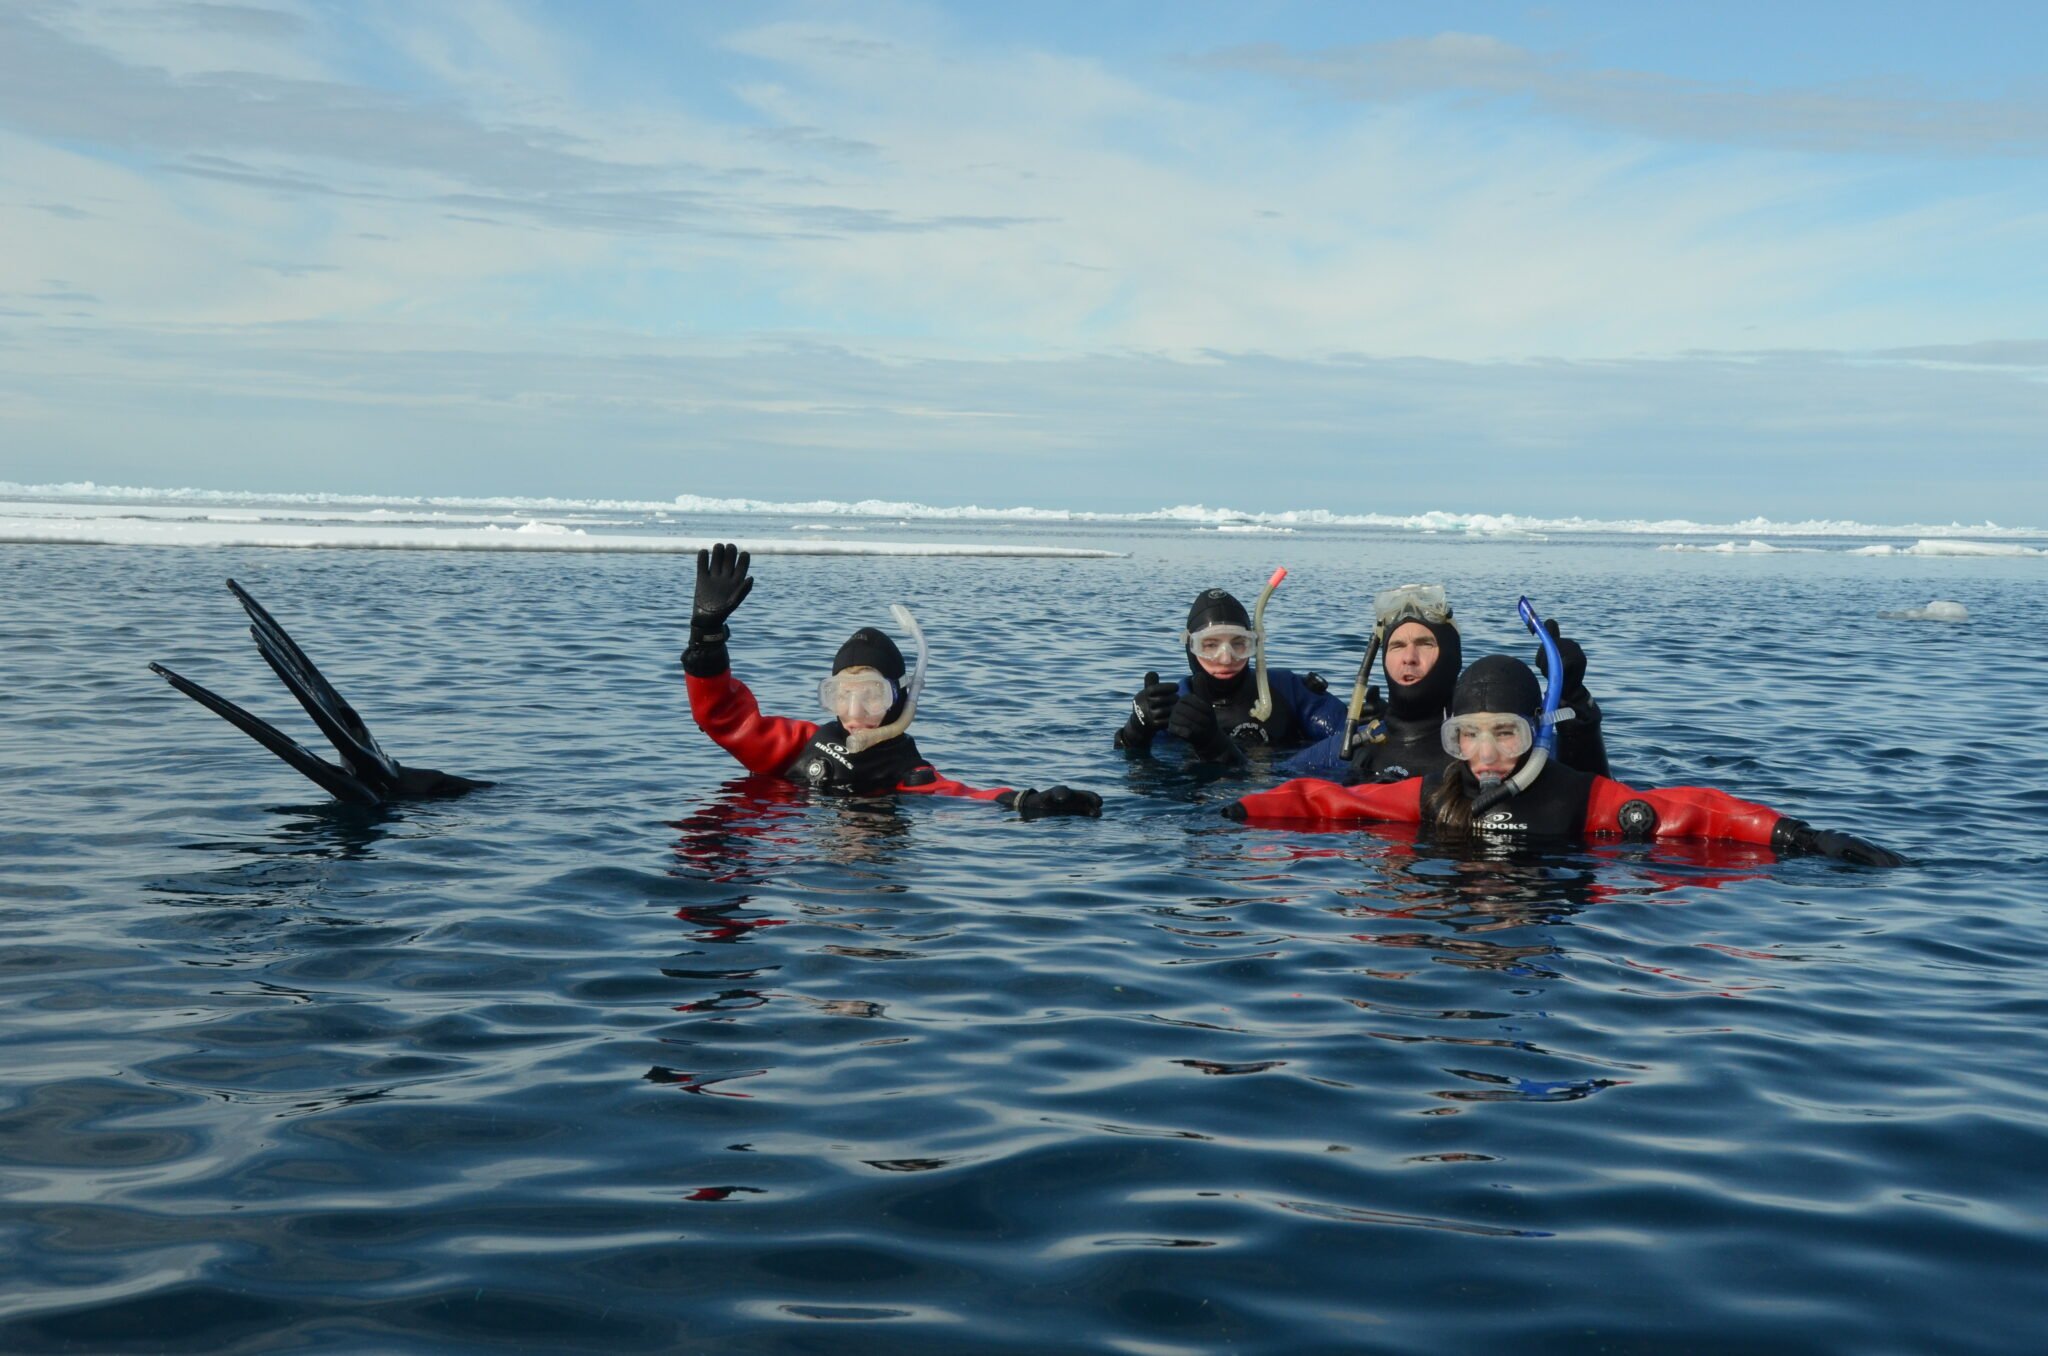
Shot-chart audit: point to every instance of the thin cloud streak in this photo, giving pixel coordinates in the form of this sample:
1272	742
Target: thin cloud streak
1476	67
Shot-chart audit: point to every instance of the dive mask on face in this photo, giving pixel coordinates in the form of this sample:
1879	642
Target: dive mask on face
857	694
1219	643
1474	736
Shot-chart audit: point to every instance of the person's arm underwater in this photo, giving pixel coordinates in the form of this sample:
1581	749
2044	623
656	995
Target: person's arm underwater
721	704
1324	758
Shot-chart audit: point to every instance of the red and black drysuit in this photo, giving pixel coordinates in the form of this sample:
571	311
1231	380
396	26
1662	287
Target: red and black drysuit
815	755
1562	803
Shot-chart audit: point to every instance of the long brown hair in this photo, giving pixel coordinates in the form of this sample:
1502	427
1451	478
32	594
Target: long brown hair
1449	806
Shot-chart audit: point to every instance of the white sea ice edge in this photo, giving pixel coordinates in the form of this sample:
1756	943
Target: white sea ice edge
530	536
1435	520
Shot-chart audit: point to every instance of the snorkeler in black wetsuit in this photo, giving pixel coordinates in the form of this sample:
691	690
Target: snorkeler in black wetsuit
367	775
1227	702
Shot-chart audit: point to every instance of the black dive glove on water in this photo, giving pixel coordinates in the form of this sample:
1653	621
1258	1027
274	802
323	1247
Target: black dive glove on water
1057	800
722	585
1150	710
1194	720
1792	836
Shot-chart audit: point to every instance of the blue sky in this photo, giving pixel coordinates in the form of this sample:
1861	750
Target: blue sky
1614	260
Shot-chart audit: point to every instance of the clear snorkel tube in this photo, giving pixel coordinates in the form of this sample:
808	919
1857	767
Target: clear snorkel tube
860	740
1546	725
1262	709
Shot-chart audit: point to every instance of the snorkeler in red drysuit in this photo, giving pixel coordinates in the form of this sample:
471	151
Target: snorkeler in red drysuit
1485	791
867	749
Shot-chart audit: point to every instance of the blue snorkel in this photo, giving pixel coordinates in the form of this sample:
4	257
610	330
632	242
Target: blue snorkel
1545	741
1553	684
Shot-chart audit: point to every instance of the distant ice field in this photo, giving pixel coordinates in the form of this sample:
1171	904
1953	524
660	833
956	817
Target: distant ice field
84	513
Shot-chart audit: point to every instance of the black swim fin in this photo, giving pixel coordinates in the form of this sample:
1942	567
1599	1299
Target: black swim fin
367	775
337	720
328	777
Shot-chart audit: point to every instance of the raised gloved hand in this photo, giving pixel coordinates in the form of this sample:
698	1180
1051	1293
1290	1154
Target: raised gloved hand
722	585
1796	835
1150	710
1574	656
1194	720
1058	800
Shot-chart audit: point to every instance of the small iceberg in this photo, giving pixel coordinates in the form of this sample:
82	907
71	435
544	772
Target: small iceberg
1940	610
1926	547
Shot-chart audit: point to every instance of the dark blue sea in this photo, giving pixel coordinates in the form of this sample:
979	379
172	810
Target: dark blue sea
632	1053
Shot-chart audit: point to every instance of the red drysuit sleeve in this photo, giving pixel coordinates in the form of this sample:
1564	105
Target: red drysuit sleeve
1310	799
726	710
1682	812
926	781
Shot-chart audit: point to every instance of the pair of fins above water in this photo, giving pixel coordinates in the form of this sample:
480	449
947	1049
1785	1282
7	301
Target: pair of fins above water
366	775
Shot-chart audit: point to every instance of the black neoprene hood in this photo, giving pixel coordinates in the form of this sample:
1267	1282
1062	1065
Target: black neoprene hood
869	648
1433	693
1215	607
1500	684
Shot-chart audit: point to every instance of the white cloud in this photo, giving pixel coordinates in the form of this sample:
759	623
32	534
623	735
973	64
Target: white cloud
995	255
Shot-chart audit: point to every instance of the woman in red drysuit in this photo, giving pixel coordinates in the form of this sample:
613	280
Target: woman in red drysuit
867	750
1489	736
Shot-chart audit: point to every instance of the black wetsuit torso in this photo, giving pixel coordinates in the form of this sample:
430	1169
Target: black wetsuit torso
825	764
1554	806
1232	699
1413	748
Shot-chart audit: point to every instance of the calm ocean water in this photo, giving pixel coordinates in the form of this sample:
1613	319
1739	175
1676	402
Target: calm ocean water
633	1054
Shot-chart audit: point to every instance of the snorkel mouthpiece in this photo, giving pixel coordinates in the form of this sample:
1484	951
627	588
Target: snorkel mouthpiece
1546	726
858	741
1262	709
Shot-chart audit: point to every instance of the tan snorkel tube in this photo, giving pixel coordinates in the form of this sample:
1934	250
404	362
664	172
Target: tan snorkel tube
860	740
1262	709
1359	688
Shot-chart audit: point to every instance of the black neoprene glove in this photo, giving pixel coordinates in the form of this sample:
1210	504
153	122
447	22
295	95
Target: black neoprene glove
1194	720
1057	800
1574	656
1150	710
1362	758
722	585
1798	836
